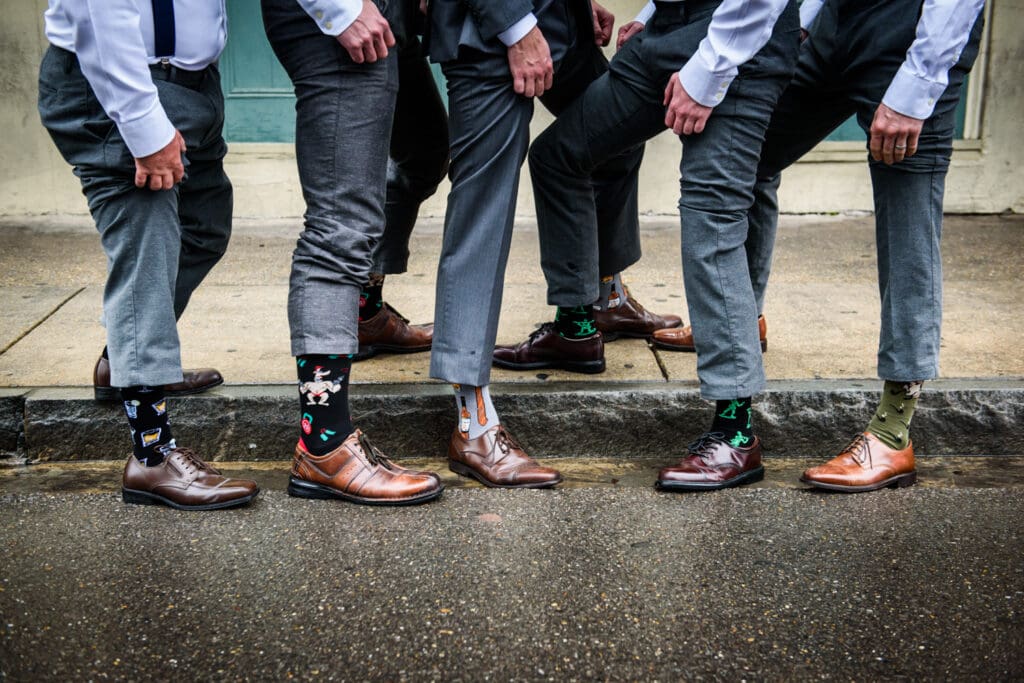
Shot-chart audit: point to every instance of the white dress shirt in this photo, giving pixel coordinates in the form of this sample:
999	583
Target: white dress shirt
333	16
738	30
942	33
113	40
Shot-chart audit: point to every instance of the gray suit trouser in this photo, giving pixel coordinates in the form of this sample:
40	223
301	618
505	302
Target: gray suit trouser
836	79
489	127
624	108
159	245
342	128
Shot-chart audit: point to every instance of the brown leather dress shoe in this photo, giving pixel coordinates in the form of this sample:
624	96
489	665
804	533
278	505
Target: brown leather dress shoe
866	464
184	482
713	464
390	332
358	472
545	348
681	338
496	460
194	382
630	319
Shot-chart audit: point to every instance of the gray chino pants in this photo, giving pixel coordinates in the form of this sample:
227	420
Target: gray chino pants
342	128
159	245
837	77
489	126
624	108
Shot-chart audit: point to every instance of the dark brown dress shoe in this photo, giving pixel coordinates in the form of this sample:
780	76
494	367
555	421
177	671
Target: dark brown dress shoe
184	482
630	319
358	472
866	464
714	463
194	382
545	348
681	338
496	460
390	332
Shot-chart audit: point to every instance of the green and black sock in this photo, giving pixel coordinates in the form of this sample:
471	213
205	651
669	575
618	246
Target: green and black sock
575	322
891	423
371	297
146	408
735	420
323	401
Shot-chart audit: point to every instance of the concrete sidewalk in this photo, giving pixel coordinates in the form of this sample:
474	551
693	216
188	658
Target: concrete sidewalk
822	315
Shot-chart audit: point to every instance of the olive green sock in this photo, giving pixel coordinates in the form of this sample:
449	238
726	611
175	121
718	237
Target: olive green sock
891	423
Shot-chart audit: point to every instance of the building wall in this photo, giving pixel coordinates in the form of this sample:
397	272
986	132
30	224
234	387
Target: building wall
986	175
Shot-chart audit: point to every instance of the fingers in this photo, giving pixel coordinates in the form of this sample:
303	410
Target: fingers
519	83
141	177
389	37
549	78
875	144
912	139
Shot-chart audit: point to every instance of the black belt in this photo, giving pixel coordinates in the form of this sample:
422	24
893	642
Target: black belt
165	71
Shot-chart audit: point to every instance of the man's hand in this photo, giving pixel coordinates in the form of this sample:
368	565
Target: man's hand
530	63
893	135
369	36
683	115
604	22
627	31
423	7
164	169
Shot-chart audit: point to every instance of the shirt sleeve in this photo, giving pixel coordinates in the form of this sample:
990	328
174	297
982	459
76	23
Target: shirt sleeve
112	54
645	13
738	29
808	11
942	33
332	16
517	31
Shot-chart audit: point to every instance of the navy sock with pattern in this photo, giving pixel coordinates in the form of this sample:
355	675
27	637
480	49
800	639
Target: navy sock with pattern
323	401
146	408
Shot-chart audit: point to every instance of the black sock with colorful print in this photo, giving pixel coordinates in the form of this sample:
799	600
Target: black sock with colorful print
146	408
323	401
371	297
575	322
734	419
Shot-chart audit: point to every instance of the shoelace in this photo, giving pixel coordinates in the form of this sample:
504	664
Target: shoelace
543	329
860	450
373	454
392	309
704	444
191	461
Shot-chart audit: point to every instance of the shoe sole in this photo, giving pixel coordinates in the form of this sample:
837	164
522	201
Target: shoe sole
467	471
690	349
135	497
612	336
900	481
371	351
745	478
300	488
113	394
586	367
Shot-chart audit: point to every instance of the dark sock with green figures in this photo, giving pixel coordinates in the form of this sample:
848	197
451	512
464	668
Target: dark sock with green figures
575	322
734	418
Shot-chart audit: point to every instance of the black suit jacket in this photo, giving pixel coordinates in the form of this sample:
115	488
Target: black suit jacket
446	18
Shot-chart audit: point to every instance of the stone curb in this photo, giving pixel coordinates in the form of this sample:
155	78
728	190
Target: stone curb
807	418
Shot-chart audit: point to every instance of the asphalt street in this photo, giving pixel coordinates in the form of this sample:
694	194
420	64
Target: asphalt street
605	582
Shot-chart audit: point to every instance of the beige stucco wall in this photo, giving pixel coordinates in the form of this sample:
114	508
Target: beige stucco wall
986	175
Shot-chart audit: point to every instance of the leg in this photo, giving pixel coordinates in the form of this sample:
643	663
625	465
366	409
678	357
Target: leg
489	131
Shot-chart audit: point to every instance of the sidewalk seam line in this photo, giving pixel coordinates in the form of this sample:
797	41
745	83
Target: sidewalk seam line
658	360
40	322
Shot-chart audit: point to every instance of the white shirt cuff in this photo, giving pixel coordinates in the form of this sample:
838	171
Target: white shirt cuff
517	31
333	17
912	95
645	14
809	12
703	86
149	133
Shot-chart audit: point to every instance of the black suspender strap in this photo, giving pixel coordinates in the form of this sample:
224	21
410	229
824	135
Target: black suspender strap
163	28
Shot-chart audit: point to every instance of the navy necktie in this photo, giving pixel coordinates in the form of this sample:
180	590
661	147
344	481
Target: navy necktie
163	27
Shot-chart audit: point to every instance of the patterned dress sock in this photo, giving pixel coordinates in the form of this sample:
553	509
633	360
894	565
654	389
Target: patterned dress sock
612	292
323	401
575	322
891	423
734	419
146	408
371	297
476	412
